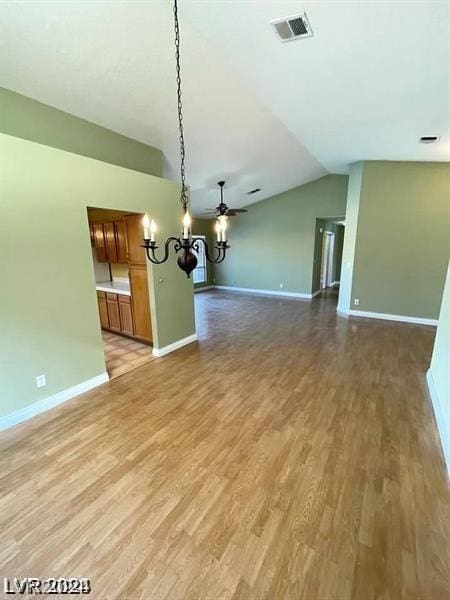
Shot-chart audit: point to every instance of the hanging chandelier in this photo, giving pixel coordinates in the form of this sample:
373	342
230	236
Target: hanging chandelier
185	246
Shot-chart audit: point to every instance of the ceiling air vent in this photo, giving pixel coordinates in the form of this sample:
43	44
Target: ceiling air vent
429	139
292	28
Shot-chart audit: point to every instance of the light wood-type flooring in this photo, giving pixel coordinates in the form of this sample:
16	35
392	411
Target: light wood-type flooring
291	454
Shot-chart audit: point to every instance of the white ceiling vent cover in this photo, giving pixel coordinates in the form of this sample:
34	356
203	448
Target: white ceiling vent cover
292	28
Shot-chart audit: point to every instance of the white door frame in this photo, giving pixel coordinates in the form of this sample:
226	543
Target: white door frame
326	269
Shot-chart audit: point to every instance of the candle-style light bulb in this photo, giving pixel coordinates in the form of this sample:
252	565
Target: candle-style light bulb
153	230
223	227
146	224
186	225
218	230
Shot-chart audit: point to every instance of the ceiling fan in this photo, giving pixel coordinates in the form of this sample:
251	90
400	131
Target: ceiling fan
223	209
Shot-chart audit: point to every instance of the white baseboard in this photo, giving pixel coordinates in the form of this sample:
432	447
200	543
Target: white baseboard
386	317
42	405
316	293
204	288
444	432
231	288
335	283
158	352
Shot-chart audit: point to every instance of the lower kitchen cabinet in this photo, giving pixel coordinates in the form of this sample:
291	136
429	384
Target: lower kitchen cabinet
126	316
103	310
113	312
116	314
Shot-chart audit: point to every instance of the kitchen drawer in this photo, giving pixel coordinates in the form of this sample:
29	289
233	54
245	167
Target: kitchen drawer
111	297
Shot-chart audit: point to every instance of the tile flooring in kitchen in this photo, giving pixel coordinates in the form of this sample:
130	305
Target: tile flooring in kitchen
123	354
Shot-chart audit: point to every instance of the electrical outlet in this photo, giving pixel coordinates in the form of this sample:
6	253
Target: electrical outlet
41	381
214	280
281	285
356	301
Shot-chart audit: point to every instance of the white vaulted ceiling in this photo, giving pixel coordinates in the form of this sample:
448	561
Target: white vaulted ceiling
258	113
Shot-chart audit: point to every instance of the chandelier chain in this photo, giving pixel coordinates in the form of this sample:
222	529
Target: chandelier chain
183	198
187	247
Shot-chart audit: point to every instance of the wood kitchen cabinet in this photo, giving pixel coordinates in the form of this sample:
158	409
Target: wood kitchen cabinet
121	242
99	242
137	272
118	238
116	314
135	237
126	316
113	312
140	303
110	241
103	310
111	246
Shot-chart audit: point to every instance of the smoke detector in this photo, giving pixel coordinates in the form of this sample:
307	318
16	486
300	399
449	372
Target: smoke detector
292	28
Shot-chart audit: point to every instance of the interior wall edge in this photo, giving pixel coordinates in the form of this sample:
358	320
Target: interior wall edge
444	433
158	352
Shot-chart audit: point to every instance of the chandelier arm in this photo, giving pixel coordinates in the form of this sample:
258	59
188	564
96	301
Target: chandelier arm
220	246
150	248
221	258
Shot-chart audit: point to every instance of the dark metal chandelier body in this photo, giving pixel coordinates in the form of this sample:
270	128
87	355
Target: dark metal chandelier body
185	246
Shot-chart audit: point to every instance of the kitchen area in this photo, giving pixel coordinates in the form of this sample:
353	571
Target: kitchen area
122	288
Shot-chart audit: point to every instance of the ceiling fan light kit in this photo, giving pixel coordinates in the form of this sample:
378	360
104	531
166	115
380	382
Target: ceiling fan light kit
186	246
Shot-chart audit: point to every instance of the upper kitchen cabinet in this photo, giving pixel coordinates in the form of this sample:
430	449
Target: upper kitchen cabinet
100	242
135	237
121	242
110	242
111	246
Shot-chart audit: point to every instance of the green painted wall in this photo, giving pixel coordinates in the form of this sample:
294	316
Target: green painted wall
274	242
49	317
205	227
402	238
440	368
31	120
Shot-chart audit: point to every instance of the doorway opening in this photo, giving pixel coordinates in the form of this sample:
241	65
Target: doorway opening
121	283
329	241
326	269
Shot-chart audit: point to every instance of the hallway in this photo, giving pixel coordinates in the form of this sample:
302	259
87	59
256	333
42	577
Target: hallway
292	453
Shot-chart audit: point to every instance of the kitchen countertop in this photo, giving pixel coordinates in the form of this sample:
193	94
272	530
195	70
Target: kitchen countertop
114	287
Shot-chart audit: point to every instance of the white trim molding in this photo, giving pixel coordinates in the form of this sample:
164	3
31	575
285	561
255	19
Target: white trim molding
158	352
231	288
203	288
444	433
387	317
42	405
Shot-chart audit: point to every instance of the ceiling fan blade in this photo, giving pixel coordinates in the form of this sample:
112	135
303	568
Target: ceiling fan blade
239	210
